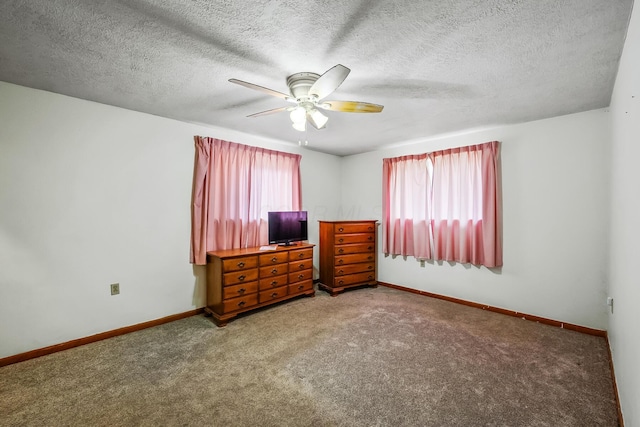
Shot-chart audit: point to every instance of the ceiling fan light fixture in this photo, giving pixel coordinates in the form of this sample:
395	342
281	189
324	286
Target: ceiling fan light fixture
317	119
300	126
298	115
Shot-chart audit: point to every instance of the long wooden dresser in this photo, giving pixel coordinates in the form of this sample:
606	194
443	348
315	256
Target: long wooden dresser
240	280
347	255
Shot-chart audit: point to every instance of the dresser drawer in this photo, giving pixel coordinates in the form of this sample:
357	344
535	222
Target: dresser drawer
354	248
355	268
300	287
272	282
240	290
300	275
272	294
273	270
239	303
340	239
305	264
356	227
350	259
241	276
273	258
300	254
352	279
240	263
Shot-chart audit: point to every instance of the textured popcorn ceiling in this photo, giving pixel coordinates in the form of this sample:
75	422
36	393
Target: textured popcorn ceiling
436	66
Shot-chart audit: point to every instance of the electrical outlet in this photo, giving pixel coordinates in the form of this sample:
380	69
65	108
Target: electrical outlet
115	288
610	303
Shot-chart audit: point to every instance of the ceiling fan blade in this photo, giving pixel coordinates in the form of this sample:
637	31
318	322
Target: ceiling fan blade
329	81
261	89
317	119
267	112
351	106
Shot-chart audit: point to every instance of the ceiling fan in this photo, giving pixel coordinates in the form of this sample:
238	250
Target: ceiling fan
308	91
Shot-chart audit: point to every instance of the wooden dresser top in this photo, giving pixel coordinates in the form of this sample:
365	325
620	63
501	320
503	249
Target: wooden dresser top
226	253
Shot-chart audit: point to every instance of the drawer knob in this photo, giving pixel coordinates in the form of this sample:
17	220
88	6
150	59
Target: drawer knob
370	277
369	247
301	266
340	240
340	261
300	255
340	250
370	267
242	291
340	271
273	295
340	282
274	259
241	264
241	303
274	283
370	228
341	229
370	257
274	271
242	277
300	276
370	237
301	287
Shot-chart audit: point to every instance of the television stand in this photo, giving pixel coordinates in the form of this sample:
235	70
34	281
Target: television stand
241	280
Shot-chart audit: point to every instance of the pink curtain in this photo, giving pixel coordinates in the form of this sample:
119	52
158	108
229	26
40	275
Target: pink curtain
466	211
406	189
234	187
444	205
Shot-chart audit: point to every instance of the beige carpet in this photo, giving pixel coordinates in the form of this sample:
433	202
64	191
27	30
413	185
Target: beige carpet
368	357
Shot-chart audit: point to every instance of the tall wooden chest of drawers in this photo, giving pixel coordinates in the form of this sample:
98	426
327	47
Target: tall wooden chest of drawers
348	255
240	280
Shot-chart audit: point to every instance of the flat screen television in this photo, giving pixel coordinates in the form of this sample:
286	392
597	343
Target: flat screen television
287	227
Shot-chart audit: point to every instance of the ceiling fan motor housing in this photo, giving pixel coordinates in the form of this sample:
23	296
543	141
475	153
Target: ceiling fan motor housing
300	83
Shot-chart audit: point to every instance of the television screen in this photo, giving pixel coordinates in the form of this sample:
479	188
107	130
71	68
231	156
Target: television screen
287	227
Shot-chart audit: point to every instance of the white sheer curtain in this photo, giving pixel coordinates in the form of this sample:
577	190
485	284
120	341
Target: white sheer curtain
466	211
406	187
455	195
234	188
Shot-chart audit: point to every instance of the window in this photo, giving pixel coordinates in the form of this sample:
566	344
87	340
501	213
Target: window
444	205
234	187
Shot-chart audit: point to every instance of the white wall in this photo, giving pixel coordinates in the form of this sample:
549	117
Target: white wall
555	183
91	195
625	226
